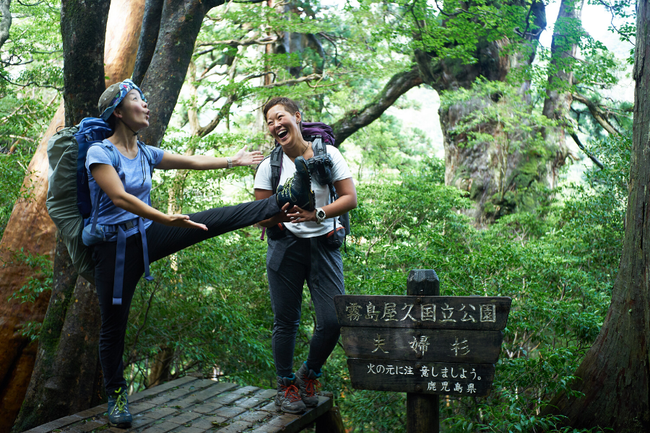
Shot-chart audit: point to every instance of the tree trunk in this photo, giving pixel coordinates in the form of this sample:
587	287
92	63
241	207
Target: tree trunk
180	24
83	25
615	376
500	175
148	38
31	228
67	363
566	36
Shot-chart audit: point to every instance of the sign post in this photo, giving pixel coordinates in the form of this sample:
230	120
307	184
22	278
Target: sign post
422	344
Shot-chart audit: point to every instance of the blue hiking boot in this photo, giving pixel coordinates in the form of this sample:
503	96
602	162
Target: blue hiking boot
297	189
118	409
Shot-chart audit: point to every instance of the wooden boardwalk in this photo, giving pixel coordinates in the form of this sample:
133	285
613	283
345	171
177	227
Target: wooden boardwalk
191	405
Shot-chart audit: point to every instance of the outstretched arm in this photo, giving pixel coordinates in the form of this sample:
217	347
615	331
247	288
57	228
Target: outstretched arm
204	162
109	181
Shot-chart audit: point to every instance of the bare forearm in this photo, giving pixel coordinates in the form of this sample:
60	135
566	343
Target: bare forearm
342	205
132	204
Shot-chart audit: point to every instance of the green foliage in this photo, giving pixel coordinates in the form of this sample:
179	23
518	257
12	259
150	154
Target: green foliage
557	266
30	69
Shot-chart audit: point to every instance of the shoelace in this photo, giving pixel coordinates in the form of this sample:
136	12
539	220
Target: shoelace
287	187
291	392
311	386
120	404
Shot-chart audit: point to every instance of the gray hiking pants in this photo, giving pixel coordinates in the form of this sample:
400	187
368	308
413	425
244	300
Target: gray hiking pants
290	261
162	241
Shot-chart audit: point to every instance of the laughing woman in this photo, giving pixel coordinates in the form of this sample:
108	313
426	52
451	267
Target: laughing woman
299	250
134	234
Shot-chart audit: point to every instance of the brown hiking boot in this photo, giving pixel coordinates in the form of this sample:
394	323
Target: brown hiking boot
288	397
308	384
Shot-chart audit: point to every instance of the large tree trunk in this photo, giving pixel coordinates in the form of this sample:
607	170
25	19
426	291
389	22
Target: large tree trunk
31	228
566	36
180	24
500	175
615	376
83	25
67	363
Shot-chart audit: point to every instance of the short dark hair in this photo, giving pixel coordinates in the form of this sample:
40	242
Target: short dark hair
288	103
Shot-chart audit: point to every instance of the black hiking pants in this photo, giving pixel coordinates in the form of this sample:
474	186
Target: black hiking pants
290	262
162	241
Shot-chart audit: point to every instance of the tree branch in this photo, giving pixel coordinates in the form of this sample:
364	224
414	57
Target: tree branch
597	113
584	149
266	40
305	79
354	120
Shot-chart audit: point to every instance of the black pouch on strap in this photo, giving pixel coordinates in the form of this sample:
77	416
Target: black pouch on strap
276	232
334	239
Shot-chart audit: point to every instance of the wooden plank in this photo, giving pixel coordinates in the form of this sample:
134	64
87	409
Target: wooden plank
442	345
422	377
429	312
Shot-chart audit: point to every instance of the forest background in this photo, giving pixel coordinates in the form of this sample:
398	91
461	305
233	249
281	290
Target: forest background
523	194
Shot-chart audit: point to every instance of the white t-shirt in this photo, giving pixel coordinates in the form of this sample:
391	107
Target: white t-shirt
340	171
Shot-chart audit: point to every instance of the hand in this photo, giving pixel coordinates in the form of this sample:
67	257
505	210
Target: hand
184	221
247	158
280	217
298	215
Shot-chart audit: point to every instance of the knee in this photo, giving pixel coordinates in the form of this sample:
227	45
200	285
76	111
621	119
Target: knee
330	326
285	323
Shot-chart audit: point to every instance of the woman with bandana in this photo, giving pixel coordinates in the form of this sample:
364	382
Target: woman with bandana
137	234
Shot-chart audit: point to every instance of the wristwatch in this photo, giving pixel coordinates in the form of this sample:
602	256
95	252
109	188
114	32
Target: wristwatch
320	215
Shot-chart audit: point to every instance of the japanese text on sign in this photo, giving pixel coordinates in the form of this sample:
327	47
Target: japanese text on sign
448	379
392	312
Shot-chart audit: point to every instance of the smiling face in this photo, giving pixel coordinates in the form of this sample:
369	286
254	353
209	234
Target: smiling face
284	126
133	111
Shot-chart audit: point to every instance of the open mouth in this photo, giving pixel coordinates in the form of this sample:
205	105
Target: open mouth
282	134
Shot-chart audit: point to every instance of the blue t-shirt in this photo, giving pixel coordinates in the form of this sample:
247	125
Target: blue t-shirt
135	175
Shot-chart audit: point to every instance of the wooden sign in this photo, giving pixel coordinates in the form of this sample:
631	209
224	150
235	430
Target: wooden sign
422	377
442	345
431	312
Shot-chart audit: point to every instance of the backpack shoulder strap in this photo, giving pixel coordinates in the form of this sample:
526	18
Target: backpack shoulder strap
276	166
318	146
110	151
148	154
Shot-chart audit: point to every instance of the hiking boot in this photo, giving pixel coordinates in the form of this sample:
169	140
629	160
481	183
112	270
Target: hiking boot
297	189
288	397
118	409
308	384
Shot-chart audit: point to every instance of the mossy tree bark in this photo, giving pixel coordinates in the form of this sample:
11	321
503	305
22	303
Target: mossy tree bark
500	174
615	374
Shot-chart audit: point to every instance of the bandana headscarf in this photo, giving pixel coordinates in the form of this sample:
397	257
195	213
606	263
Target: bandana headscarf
113	95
